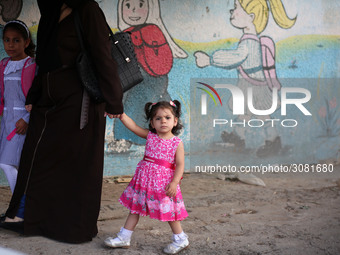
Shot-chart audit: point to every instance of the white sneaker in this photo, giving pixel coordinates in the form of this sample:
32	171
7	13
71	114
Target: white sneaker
176	246
117	242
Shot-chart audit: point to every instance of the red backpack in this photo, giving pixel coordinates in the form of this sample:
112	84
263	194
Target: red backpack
268	63
152	49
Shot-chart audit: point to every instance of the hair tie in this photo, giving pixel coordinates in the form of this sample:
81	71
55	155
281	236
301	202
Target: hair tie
170	102
20	23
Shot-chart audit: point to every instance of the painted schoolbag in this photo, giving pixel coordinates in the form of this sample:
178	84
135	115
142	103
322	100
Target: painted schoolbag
268	63
152	49
27	76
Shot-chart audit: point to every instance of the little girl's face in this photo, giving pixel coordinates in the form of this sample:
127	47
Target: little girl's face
15	44
135	12
164	121
239	17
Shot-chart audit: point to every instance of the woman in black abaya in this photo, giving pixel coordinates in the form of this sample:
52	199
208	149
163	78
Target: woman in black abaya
61	168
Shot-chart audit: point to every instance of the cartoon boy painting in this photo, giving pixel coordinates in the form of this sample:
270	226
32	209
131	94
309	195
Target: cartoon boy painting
254	61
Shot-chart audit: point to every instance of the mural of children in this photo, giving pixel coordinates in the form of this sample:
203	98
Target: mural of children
252	17
155	50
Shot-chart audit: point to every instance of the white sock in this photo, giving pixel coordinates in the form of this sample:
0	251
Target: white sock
125	233
11	173
179	238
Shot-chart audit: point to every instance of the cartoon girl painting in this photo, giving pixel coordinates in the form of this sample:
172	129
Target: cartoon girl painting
255	63
9	10
155	51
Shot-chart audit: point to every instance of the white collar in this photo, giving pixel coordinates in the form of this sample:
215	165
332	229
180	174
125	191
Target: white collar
13	66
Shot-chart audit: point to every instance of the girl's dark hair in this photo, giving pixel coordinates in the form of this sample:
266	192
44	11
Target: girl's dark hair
151	110
20	26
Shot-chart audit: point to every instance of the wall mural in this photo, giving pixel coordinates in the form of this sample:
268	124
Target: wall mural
155	50
173	48
254	58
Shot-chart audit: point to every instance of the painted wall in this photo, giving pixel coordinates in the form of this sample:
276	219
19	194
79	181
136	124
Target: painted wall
175	29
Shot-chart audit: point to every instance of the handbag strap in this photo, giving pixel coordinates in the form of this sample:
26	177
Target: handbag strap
84	112
80	33
79	29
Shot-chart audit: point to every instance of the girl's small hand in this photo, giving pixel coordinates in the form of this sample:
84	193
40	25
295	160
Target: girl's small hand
171	189
21	127
28	107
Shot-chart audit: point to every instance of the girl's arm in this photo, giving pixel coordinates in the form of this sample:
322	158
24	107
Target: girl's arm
230	59
132	126
171	189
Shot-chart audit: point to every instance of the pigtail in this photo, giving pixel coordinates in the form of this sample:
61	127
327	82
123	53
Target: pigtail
30	49
260	9
280	15
149	115
147	110
178	112
177	108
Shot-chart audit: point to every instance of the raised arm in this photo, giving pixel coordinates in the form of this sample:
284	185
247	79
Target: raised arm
132	126
230	59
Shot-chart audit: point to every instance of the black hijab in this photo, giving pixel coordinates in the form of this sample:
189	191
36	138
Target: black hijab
47	56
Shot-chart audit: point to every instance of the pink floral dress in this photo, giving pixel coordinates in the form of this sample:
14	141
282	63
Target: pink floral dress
145	194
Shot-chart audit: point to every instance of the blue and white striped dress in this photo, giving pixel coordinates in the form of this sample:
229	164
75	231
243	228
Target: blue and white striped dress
14	109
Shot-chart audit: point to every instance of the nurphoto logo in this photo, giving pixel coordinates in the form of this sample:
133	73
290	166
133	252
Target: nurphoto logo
243	103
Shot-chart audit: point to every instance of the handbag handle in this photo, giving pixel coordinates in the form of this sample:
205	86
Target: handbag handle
119	47
80	34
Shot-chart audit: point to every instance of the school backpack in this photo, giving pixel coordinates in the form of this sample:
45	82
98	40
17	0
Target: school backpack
152	49
268	63
27	76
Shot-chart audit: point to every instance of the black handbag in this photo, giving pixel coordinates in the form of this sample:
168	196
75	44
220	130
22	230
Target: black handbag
122	52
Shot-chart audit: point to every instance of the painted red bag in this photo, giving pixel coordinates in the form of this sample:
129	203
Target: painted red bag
152	50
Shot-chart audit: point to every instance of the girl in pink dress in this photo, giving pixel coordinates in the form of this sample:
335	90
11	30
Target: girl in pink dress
154	189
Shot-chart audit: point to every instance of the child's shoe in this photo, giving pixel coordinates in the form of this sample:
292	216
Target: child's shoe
117	242
121	241
180	242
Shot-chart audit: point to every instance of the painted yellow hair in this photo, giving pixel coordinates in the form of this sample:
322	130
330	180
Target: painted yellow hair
261	11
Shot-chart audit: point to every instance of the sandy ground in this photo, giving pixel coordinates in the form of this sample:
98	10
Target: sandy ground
291	215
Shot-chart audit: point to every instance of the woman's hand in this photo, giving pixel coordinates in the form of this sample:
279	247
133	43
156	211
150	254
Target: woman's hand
202	59
21	127
111	116
171	189
28	107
